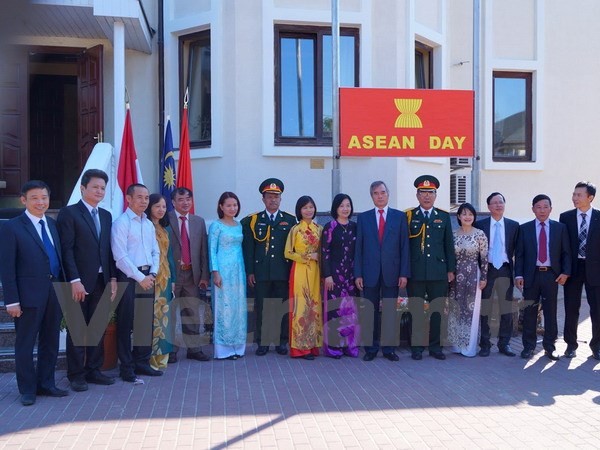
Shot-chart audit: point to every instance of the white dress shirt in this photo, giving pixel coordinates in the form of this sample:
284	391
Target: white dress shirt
38	227
134	244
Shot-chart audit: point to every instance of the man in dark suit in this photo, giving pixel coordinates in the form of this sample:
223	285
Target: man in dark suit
188	241
381	264
583	224
89	266
502	234
30	264
267	270
433	263
542	262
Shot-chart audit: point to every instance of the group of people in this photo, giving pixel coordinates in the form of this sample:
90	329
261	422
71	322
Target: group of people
317	289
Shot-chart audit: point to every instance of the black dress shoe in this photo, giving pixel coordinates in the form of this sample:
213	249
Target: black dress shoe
172	358
570	353
438	355
99	378
552	355
596	354
27	399
52	392
507	351
147	370
281	350
391	356
527	354
309	357
198	356
417	356
262	350
232	357
129	377
369	356
484	352
79	385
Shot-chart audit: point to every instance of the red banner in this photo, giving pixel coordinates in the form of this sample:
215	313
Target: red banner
406	122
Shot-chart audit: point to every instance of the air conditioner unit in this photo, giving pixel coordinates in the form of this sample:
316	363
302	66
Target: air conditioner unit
460	188
459	163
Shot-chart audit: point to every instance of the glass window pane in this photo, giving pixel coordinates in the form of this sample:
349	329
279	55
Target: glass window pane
297	87
347	75
419	70
199	91
510	118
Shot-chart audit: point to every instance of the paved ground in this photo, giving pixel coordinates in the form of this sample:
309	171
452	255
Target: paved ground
276	402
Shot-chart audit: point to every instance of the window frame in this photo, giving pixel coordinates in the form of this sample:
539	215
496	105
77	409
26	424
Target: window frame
426	53
315	33
528	78
185	42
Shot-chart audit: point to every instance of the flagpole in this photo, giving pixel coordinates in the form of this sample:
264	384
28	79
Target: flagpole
476	171
335	85
184	169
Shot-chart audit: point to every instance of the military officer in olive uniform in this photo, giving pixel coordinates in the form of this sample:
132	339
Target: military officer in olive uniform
433	263
267	270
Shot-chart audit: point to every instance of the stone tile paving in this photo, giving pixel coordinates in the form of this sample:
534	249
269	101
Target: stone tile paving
277	402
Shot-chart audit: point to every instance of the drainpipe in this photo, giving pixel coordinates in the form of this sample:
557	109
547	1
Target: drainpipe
161	82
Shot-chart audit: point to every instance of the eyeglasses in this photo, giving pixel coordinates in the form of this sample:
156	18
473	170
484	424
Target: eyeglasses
429	191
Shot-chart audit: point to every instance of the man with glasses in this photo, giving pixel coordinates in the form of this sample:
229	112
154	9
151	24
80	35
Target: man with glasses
502	234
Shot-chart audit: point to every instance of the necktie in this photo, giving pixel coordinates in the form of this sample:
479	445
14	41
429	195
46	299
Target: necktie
381	228
426	215
50	251
543	240
96	220
185	243
582	235
497	259
272	216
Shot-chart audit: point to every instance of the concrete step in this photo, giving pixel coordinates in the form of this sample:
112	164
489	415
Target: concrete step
7	359
7	334
4	317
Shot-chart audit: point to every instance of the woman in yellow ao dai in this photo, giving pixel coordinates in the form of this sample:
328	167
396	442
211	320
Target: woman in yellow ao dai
302	247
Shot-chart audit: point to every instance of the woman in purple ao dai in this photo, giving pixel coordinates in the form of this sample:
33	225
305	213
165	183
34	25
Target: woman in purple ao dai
341	330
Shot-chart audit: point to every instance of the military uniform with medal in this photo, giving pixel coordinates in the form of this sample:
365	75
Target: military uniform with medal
433	262
268	271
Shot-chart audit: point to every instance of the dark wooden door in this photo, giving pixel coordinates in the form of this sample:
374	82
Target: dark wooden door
14	168
49	132
90	100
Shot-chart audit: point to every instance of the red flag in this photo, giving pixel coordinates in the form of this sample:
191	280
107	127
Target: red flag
184	169
127	172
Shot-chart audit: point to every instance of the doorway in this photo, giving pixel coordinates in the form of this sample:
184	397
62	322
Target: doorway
52	115
53	123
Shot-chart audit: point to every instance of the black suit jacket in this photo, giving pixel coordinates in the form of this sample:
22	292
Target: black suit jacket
82	251
511	235
24	264
592	247
526	251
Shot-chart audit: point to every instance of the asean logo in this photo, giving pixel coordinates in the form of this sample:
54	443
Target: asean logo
408	108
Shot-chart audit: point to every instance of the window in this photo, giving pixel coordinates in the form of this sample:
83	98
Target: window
512	116
194	74
303	81
423	66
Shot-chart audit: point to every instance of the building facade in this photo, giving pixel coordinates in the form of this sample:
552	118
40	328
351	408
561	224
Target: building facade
258	75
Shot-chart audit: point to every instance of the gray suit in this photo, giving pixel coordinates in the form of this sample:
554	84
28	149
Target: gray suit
187	292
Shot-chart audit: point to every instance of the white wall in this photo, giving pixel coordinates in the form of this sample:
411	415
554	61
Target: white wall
555	40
